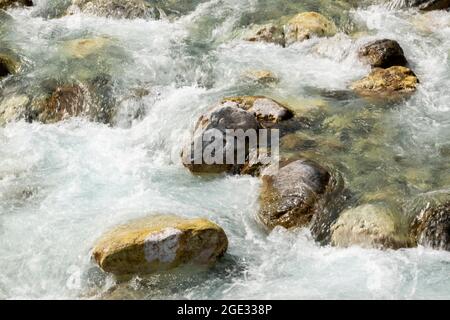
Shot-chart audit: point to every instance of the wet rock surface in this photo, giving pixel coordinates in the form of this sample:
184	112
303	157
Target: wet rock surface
4	4
370	226
431	226
384	82
306	25
159	243
428	5
383	54
234	113
294	194
128	9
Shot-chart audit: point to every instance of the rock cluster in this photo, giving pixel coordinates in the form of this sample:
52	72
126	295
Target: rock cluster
390	76
303	26
246	113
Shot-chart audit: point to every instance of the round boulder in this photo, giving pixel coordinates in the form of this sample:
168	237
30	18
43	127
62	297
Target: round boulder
119	9
159	243
292	195
385	82
211	146
370	226
383	54
307	25
4	4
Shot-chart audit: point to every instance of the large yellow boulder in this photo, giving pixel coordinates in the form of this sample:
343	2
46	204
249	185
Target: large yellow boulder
82	48
158	243
307	25
394	80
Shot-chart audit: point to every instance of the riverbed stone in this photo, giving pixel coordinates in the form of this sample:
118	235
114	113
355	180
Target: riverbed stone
232	113
160	243
385	82
292	195
307	25
65	102
431	227
4	4
383	53
119	9
225	116
91	100
13	108
374	225
270	33
9	64
266	110
83	48
428	5
260	76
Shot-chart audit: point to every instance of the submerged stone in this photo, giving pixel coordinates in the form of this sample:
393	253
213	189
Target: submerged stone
294	194
370	226
431	227
307	25
270	33
91	99
82	48
266	110
260	76
128	9
428	5
159	243
9	64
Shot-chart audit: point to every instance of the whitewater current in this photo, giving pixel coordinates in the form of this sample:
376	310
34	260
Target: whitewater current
63	185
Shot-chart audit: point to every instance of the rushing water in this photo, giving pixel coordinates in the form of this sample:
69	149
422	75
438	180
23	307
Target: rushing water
63	185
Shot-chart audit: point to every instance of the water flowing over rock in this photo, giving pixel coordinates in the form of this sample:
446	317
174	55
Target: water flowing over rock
260	76
159	243
90	100
383	54
428	5
9	64
307	25
370	226
270	33
234	113
386	82
82	48
431	227
4	4
13	108
128	9
294	194
267	111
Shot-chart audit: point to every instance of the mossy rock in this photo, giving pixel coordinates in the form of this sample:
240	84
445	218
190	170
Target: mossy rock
159	243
